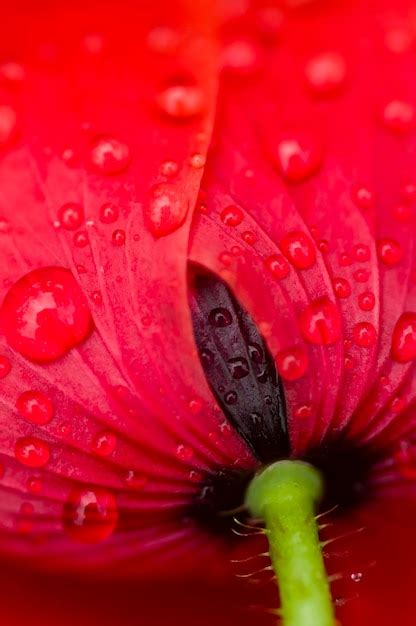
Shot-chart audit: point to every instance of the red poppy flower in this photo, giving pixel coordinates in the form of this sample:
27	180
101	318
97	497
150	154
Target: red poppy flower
207	264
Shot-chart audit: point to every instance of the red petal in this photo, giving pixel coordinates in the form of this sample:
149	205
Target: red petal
101	180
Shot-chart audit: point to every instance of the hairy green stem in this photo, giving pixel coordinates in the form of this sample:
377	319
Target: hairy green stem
285	496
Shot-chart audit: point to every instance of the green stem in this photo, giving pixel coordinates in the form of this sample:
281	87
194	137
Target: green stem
285	496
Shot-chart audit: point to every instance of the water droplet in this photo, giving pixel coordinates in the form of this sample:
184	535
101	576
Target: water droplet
277	266
303	411
197	160
118	237
135	481
182	102
269	21
408	191
109	156
389	252
397	405
32	451
220	317
366	301
232	215
109	213
165	210
356	577
163	39
403	345
45	314
361	276
241	57
5	366
363	197
364	334
342	287
81	239
299	249
35	407
97	297
12	72
195	405
71	216
398	39
90	515
297	157
239	367
255	352
345	259
398	116
249	237
326	72
169	168
292	363
185	453
405	459
8	124
320	322
349	362
105	443
403	213
231	397
361	253
35	485
93	43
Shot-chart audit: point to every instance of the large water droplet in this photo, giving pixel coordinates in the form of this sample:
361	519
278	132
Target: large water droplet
45	314
220	317
165	210
297	156
35	407
403	344
32	451
277	266
232	215
90	515
320	322
109	213
299	249
292	363
109	156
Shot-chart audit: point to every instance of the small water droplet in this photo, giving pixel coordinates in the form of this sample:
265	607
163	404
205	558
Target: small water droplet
12	72
403	213
356	577
342	287
32	452
292	363
398	116
364	334
297	157
36	407
197	160
231	397
165	210
71	216
109	213
182	102
366	301
169	168
90	515
163	39
349	362
249	237
277	266
326	72
118	237
303	411
403	345
195	405
220	317
135	481
5	366
361	253
239	367
109	156
97	297
361	276
35	485
45	314
232	215
389	252
105	443
8	124
299	250
241	57
255	352
363	197
320	322
345	260
81	239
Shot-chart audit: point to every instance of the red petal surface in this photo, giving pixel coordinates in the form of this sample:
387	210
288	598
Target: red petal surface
107	425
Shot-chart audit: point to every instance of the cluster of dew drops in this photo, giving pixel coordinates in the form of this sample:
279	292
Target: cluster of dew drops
91	514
